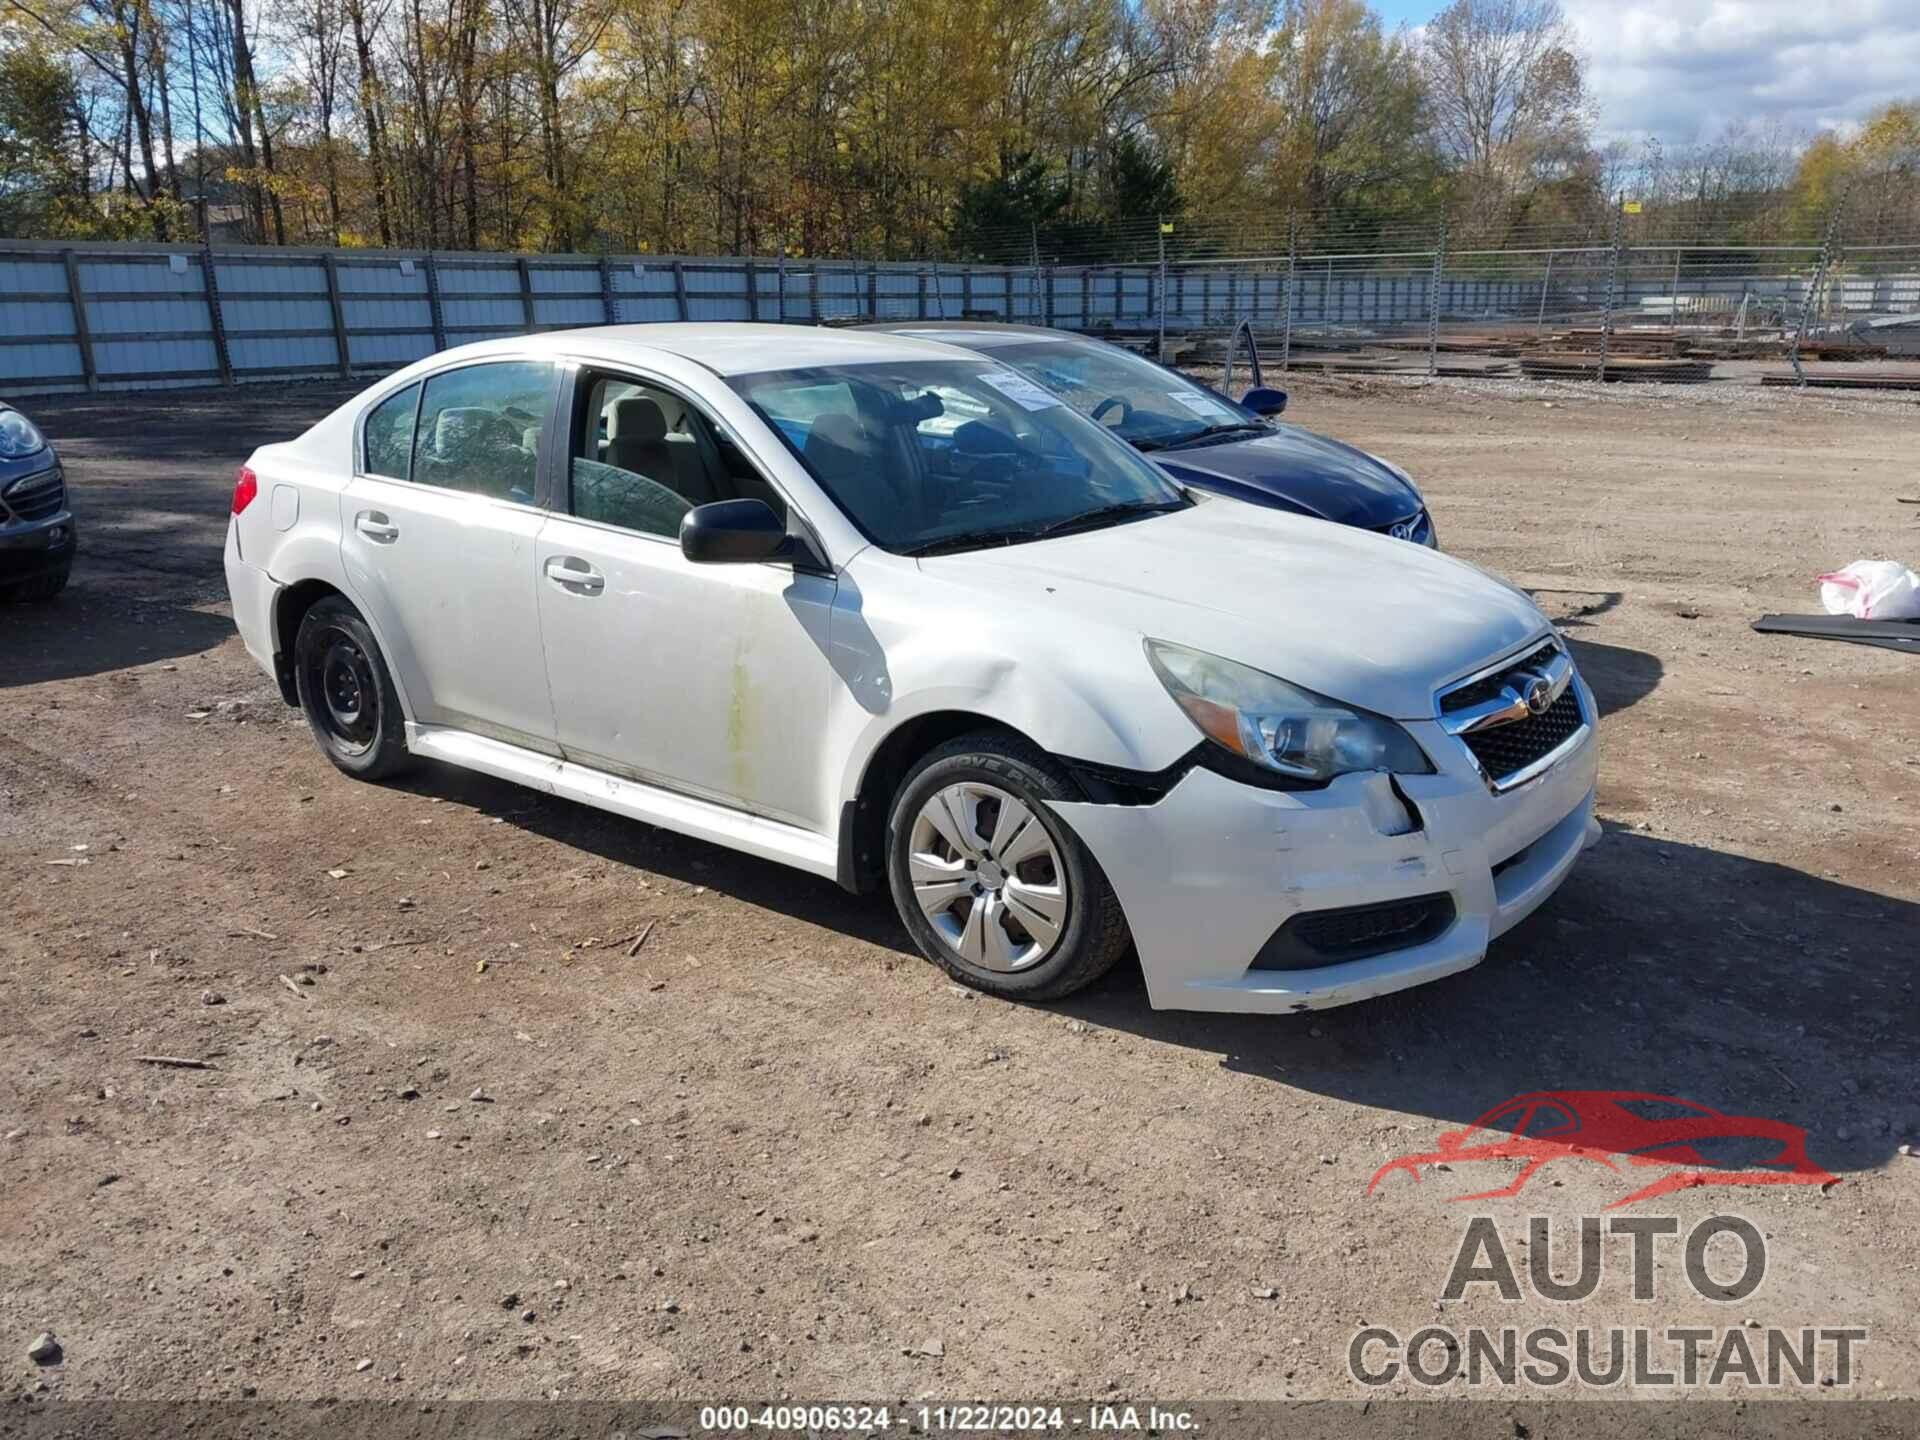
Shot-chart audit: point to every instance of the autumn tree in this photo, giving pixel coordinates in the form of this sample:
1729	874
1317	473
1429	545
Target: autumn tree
1506	96
1874	174
1351	141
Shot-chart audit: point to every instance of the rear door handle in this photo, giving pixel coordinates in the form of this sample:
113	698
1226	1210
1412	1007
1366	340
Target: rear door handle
575	575
376	527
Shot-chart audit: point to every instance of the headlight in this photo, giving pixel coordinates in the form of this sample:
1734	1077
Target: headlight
18	437
1277	726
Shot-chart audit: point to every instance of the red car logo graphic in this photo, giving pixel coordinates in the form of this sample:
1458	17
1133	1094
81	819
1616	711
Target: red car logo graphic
1695	1145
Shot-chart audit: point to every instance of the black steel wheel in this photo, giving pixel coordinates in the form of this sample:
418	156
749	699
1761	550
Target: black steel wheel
348	696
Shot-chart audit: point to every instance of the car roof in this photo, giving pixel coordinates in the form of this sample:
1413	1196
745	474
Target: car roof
724	348
976	334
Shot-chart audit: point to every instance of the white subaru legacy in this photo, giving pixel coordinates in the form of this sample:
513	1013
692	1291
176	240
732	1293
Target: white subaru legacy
888	612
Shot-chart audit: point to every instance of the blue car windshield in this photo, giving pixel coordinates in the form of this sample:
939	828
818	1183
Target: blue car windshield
925	455
1141	402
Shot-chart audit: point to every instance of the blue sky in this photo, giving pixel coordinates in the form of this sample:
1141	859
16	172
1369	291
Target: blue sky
1411	11
1682	70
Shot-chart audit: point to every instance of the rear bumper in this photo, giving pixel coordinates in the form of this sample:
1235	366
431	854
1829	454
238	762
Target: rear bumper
1211	871
254	593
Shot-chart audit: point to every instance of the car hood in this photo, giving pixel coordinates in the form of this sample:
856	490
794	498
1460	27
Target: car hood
1373	622
1308	473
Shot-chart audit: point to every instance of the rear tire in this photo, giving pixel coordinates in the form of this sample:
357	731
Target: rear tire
347	693
992	885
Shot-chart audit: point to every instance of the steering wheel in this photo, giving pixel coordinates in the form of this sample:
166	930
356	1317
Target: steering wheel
1126	409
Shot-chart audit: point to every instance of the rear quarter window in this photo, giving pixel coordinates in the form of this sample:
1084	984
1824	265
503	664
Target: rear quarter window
388	435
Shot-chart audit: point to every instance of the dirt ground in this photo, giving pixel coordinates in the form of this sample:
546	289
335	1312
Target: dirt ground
457	1141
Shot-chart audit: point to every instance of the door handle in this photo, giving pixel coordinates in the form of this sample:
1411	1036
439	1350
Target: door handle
575	575
376	527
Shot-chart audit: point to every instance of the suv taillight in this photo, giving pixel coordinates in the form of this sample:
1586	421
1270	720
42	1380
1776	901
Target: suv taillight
246	485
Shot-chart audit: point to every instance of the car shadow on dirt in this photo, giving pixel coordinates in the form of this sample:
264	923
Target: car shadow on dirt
666	855
1659	967
1669	969
1619	677
88	631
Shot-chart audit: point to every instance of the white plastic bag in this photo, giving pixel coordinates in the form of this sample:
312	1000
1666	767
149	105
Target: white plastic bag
1872	590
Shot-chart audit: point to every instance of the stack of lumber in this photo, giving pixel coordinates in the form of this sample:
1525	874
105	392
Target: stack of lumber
1585	365
1851	380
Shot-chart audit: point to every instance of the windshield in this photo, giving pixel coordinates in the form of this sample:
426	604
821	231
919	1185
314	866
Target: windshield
925	454
1143	403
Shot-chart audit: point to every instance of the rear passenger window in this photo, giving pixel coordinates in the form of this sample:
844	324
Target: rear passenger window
480	429
642	457
389	434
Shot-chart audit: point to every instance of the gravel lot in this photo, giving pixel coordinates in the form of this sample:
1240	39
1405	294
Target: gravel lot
458	1142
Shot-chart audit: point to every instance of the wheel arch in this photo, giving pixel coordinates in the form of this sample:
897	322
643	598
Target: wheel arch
861	867
290	607
863	819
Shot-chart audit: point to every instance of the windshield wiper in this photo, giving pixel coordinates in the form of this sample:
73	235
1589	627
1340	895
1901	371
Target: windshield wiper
1109	514
972	540
1210	431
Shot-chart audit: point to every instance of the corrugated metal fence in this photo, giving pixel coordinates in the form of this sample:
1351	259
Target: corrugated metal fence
119	317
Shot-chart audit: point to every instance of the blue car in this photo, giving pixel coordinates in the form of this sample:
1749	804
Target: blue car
36	528
1198	435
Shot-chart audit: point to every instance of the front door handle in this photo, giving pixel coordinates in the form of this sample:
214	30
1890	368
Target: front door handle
575	575
376	527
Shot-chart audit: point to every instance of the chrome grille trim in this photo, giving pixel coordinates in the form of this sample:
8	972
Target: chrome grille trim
1542	671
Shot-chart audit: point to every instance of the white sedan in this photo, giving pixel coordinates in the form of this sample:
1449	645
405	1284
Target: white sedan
886	611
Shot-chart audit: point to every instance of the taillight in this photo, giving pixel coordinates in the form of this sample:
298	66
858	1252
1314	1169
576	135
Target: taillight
246	485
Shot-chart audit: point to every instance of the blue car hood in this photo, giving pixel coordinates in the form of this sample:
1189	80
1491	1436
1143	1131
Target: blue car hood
1294	469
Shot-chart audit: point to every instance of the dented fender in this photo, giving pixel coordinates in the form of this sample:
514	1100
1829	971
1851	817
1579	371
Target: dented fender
903	651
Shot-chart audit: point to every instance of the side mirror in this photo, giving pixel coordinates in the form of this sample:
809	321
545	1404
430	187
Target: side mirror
1265	402
732	532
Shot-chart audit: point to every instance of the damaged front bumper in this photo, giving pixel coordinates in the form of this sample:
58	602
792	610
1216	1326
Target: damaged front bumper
1211	872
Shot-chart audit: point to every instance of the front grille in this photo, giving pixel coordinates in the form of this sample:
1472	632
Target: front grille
1354	932
1413	528
1505	749
1488	687
37	496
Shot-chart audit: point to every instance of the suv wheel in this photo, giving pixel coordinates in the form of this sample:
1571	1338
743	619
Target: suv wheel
346	692
42	587
991	884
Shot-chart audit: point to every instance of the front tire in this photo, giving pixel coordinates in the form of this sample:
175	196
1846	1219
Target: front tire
346	692
991	884
42	587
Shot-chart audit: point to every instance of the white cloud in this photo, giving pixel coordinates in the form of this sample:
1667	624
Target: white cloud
1682	70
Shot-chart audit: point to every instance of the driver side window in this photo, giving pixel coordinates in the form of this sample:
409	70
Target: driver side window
642	456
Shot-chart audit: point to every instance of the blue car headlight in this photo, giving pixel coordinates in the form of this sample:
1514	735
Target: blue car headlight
19	437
